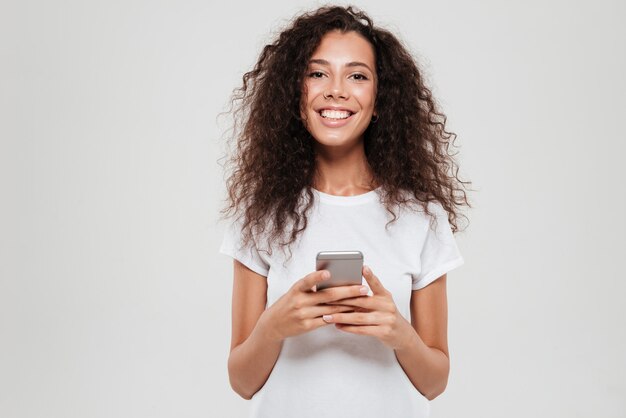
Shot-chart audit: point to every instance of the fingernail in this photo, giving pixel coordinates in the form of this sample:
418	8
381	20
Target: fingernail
367	270
364	290
327	317
325	275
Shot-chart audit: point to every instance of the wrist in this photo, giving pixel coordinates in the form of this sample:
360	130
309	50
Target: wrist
267	329
409	342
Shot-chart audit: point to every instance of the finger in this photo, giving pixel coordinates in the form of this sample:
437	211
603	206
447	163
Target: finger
319	310
373	282
306	283
354	318
369	303
359	329
317	322
354	308
337	293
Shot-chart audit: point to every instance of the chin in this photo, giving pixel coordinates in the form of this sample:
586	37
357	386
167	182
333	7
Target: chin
335	142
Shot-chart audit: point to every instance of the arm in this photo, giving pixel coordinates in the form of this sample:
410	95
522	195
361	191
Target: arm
258	333
252	353
425	358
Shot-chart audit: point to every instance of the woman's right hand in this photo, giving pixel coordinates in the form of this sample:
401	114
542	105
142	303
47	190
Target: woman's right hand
301	308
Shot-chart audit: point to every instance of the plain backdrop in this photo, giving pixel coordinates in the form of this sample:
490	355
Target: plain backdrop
114	300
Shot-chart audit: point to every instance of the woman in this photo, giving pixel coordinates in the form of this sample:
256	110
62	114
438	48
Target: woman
340	146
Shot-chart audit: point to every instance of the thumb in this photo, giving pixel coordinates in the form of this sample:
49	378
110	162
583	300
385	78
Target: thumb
373	282
307	282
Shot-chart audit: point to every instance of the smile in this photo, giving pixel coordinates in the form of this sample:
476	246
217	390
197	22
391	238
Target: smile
335	118
335	114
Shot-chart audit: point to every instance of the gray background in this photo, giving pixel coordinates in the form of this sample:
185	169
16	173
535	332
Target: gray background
114	300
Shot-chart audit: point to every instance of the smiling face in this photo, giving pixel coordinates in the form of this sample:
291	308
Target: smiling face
340	89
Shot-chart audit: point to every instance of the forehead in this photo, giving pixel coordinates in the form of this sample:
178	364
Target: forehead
345	47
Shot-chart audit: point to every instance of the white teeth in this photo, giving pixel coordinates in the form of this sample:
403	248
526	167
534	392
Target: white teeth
335	114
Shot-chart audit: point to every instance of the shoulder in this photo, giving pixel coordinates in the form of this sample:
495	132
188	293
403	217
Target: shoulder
437	209
430	209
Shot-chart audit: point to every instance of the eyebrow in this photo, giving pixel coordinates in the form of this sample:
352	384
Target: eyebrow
349	64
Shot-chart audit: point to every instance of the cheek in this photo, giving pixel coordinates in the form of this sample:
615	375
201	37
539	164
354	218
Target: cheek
366	97
311	90
304	102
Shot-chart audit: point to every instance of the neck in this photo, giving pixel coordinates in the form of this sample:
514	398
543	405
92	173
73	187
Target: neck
343	174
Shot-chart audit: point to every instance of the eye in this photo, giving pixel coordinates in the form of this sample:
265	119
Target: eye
315	74
359	76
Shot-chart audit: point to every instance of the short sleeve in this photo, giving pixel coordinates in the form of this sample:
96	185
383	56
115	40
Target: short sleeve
440	253
249	256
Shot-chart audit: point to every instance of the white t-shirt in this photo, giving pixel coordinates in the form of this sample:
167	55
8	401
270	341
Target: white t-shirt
328	372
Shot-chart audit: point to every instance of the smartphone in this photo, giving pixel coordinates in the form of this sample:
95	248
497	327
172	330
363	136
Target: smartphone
345	268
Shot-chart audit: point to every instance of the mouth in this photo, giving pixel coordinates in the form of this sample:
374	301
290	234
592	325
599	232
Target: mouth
332	118
335	114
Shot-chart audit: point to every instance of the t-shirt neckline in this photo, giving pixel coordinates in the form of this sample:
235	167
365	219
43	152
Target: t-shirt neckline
347	200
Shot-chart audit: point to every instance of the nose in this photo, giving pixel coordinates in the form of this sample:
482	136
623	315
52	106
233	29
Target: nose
336	90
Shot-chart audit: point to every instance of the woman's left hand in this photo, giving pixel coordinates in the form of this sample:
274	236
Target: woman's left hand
377	315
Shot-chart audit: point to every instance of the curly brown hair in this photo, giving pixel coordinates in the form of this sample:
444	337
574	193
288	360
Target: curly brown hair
274	159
